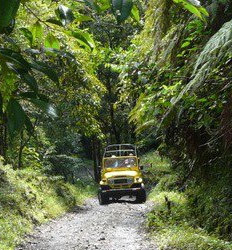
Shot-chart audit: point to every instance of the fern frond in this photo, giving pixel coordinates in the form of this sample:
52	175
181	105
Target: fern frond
219	46
145	125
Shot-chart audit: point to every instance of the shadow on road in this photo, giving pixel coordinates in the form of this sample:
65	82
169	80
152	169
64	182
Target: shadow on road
124	200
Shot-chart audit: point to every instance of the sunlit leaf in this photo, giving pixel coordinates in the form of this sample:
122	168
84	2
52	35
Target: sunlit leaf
51	42
37	32
204	11
84	38
135	13
103	4
193	6
83	18
185	44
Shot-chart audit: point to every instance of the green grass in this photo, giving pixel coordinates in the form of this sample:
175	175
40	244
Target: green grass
188	238
29	198
154	167
170	222
173	227
153	161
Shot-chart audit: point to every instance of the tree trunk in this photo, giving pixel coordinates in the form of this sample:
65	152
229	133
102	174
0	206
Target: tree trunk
112	116
113	125
3	135
2	153
95	159
20	151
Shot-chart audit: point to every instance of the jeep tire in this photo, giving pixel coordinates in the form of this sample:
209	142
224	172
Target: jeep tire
103	198
141	196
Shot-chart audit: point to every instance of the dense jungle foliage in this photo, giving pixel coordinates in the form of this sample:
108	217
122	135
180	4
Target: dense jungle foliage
77	75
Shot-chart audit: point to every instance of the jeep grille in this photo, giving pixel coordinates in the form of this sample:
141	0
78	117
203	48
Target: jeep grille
121	181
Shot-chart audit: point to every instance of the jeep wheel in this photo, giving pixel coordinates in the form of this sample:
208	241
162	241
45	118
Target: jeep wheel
103	198
141	196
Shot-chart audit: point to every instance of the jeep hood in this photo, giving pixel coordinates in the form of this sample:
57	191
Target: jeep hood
130	173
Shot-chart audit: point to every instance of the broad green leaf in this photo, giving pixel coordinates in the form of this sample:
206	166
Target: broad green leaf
24	76
41	101
54	21
83	18
185	44
30	81
65	14
37	32
135	13
98	5
16	117
27	33
8	10
12	41
193	10
203	11
48	108
84	38
121	9
51	42
62	53
14	57
194	7
103	4
47	70
33	95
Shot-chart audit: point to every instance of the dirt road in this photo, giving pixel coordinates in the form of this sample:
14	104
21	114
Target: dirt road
116	226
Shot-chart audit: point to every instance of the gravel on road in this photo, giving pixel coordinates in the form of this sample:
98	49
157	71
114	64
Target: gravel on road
115	226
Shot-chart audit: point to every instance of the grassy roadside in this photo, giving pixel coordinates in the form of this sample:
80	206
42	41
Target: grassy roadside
170	222
28	198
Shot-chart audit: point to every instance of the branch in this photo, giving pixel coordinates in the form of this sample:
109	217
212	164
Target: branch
37	17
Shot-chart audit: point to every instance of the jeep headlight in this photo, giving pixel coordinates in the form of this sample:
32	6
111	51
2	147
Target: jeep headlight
138	179
103	181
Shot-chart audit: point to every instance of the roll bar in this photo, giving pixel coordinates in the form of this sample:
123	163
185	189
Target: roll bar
120	150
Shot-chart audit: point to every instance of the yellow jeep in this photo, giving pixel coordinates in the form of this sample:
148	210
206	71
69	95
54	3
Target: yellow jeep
121	174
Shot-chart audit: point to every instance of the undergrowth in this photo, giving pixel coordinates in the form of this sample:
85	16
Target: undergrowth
154	168
171	222
28	198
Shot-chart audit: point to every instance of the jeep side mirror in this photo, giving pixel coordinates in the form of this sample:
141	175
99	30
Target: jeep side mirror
141	167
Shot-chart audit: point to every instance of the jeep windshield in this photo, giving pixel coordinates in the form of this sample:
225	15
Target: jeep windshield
120	162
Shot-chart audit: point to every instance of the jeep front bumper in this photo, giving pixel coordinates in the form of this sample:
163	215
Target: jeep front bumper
122	191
